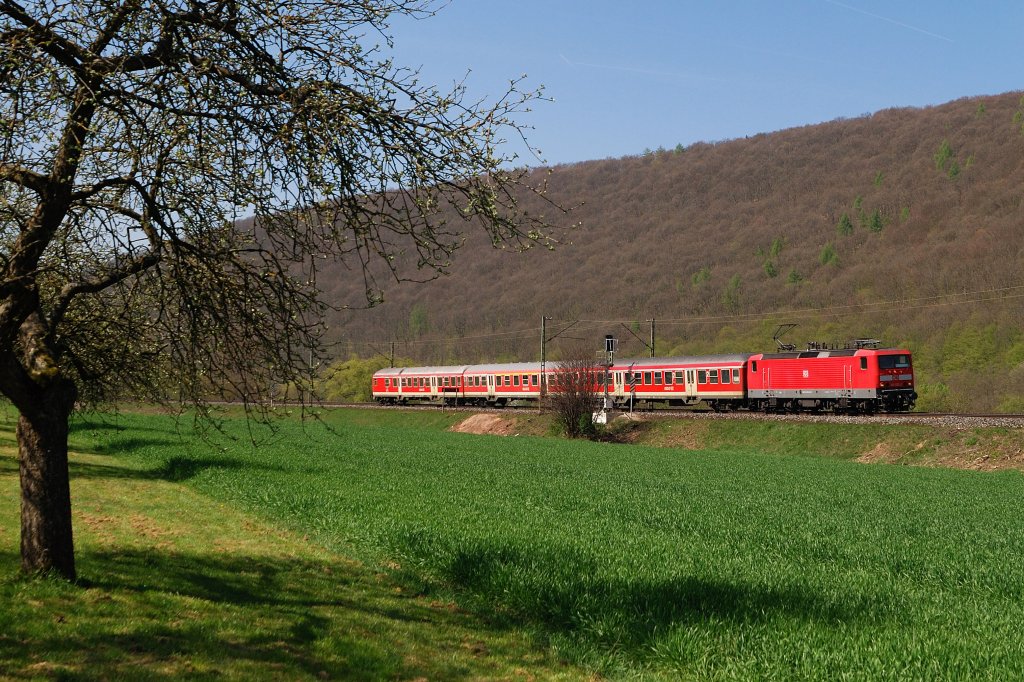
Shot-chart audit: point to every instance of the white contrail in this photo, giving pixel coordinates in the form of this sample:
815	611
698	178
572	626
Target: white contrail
891	21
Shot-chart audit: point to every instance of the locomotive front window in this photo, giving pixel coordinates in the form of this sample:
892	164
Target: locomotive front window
893	361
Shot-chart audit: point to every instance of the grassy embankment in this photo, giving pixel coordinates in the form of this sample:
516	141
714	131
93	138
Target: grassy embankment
750	561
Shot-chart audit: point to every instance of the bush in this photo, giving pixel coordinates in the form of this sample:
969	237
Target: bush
573	393
828	255
877	223
349	381
845	226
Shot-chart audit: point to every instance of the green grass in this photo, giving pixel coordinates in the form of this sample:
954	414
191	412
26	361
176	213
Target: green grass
176	584
722	564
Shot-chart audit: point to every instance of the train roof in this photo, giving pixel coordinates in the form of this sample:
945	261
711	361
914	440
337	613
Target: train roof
493	368
523	367
510	367
684	360
830	353
396	371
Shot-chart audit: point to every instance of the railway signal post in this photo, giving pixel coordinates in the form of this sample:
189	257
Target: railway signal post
610	345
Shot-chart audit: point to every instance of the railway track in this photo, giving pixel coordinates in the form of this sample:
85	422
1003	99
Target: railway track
956	420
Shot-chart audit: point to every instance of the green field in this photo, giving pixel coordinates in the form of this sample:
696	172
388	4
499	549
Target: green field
624	560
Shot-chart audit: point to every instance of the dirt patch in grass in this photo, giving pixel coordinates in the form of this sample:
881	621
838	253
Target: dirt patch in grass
518	424
992	456
883	453
979	450
486	424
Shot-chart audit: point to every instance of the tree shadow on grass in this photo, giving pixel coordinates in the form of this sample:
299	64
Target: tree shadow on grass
161	615
176	468
180	468
570	595
8	465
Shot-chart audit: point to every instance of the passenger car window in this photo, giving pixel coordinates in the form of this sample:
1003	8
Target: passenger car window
702	376
713	379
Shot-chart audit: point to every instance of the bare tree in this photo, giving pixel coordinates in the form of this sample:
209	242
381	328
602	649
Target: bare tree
134	137
574	391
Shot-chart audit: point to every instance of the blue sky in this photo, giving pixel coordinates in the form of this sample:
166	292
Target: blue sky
628	76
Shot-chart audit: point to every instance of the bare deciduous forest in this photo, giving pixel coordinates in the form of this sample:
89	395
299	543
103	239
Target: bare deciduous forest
905	225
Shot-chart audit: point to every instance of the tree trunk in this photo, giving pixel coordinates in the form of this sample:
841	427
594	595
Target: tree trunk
46	539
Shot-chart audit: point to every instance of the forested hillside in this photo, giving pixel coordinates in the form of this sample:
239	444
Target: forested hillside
906	225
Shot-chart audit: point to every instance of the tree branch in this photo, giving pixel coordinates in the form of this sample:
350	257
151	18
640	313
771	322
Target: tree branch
97	284
29	179
57	46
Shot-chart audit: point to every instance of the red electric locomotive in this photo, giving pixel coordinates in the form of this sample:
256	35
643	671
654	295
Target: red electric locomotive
857	379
